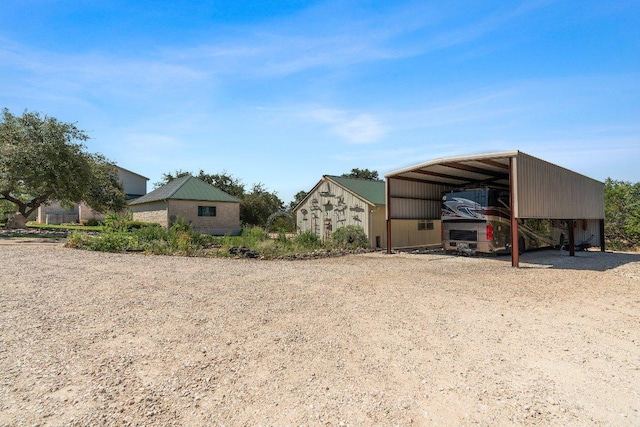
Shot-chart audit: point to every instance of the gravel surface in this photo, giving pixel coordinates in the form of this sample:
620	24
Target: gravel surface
371	339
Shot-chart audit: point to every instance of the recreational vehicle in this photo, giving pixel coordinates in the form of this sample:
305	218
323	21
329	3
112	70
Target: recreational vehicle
479	220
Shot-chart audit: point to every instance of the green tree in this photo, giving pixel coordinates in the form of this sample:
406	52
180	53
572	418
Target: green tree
168	177
362	174
258	205
299	196
622	213
224	181
41	160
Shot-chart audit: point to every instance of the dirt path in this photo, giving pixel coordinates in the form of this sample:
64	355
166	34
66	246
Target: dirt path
374	339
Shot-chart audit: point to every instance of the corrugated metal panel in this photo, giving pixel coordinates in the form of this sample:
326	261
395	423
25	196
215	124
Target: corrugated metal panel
412	189
415	200
549	191
414	209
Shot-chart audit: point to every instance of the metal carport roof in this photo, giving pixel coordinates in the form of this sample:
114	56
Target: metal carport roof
485	169
538	189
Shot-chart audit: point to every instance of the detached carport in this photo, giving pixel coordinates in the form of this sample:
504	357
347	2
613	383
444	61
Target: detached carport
537	189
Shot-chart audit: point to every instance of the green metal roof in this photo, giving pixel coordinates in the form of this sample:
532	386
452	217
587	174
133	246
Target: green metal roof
372	191
186	188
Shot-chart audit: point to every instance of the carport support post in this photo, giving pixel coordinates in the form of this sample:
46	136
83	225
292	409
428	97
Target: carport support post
388	208
515	256
602	249
572	238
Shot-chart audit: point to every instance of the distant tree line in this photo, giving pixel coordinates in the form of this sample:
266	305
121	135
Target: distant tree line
622	214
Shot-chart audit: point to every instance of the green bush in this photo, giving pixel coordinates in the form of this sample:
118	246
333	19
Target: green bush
138	225
255	234
77	240
308	240
180	239
115	222
105	242
349	237
91	222
150	232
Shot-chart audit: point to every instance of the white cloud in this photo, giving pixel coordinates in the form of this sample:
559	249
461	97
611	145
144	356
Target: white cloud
356	128
362	128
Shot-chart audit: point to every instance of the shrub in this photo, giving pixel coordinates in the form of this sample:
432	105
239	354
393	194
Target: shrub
77	240
349	237
91	222
149	232
308	240
137	225
105	242
250	237
115	222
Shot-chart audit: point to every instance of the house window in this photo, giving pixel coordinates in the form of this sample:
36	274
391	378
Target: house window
206	211
424	225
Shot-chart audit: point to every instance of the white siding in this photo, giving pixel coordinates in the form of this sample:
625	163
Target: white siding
132	183
330	207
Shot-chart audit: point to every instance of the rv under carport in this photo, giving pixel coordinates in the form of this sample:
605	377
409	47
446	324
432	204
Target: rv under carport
537	190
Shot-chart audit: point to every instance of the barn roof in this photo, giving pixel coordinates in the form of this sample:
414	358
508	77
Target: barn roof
186	188
371	191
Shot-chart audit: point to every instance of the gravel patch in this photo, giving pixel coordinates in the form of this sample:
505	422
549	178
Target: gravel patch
368	339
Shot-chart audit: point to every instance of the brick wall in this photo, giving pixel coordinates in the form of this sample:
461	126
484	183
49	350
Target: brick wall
151	212
227	219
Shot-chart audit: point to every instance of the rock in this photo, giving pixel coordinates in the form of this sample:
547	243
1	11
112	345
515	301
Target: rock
16	220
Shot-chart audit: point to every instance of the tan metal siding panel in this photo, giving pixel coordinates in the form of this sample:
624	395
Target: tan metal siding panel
415	200
549	191
378	227
405	233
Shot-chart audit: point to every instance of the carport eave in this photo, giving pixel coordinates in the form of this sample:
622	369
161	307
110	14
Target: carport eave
478	157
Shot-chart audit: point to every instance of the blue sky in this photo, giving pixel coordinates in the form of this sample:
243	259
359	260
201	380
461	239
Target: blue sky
281	92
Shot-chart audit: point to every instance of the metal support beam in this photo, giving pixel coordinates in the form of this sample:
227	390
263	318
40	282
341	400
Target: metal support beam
572	238
388	208
602	248
515	244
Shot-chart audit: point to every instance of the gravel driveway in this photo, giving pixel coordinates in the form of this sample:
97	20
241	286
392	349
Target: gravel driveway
373	339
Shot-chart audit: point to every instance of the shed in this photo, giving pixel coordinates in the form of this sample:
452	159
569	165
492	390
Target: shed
207	208
337	201
537	189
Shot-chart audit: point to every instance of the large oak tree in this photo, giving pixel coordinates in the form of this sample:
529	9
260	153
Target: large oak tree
44	160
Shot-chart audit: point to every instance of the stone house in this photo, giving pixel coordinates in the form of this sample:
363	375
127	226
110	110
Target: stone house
207	208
